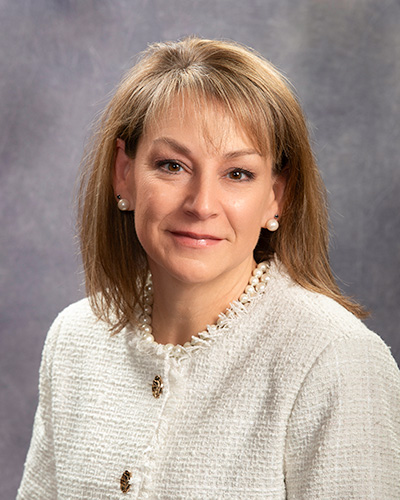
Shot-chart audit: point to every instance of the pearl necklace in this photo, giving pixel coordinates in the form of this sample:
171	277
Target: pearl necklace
257	284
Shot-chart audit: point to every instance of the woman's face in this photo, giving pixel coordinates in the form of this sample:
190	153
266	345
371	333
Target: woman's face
201	194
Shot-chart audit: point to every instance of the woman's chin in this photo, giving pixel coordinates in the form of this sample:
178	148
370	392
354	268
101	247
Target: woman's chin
197	271
190	271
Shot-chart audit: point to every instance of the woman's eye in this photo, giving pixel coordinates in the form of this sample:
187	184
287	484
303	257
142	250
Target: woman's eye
240	175
171	167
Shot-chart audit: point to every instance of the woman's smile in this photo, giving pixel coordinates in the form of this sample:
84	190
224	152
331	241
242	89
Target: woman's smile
193	240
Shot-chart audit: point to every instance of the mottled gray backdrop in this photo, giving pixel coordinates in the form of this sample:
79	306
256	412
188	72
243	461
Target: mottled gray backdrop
60	59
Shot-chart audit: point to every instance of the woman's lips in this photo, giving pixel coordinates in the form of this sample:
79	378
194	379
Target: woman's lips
194	240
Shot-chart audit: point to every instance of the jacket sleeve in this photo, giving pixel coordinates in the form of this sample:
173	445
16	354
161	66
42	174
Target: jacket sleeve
343	439
39	480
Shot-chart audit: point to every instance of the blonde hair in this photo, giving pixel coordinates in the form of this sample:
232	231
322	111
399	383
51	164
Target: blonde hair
260	100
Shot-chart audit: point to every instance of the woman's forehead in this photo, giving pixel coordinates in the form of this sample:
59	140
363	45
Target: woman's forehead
214	122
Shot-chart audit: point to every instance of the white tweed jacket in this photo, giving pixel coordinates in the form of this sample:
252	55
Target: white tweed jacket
291	398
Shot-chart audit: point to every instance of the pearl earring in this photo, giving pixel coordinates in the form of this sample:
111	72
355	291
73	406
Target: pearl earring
123	204
272	224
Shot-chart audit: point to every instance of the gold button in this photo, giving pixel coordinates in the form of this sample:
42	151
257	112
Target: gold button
124	481
157	386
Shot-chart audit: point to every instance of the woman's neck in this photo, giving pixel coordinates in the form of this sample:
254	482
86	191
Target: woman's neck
181	310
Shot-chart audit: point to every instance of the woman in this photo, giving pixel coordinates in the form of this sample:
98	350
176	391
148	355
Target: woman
236	368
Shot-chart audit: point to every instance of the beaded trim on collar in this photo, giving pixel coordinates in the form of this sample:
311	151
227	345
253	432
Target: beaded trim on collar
144	340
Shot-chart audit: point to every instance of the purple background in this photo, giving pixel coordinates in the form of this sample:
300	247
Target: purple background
60	59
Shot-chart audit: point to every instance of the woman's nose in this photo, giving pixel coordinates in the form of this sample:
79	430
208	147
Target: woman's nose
201	198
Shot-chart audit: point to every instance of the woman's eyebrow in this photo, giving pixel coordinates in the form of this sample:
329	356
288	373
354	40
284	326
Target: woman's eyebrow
180	148
241	152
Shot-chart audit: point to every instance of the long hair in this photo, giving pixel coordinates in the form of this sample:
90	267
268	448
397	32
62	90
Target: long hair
260	101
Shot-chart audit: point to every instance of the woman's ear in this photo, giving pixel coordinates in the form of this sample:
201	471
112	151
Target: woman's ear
279	191
274	210
122	168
